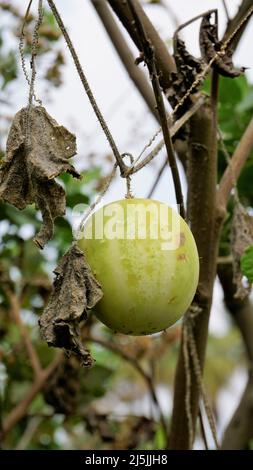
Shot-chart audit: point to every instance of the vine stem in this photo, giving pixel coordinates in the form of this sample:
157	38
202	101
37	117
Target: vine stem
87	88
226	10
148	52
202	430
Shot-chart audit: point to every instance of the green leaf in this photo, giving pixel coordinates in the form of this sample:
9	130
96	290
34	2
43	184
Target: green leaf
95	381
77	198
247	263
244	185
230	92
49	17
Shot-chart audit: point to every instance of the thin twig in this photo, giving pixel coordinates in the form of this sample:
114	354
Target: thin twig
21	43
243	8
173	131
35	42
78	232
237	29
26	16
32	95
239	430
228	161
226	10
171	12
29	432
202	430
21	408
125	54
221	260
165	61
187	384
192	20
31	80
198	375
127	357
87	88
237	163
149	59
15	311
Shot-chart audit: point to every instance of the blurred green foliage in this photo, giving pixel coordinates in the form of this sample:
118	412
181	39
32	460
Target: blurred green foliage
235	111
234	114
247	263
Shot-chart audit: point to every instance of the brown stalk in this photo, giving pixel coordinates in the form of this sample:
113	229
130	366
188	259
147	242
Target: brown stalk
235	167
148	55
125	54
15	313
21	408
147	377
165	62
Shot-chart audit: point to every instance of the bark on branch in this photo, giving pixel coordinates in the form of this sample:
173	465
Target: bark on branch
148	56
164	61
201	211
241	13
125	54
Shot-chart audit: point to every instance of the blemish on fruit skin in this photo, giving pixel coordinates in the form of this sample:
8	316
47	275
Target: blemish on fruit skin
182	238
172	299
182	257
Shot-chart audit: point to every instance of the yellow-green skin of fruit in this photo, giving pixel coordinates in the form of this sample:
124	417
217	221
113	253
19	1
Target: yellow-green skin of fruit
146	288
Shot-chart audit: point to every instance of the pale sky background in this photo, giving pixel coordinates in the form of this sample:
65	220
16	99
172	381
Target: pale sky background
126	113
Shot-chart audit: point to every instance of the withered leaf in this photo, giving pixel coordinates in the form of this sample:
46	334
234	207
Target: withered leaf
63	387
75	291
188	67
186	63
210	45
241	238
37	151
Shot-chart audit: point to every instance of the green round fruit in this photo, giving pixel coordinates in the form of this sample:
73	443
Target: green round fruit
145	258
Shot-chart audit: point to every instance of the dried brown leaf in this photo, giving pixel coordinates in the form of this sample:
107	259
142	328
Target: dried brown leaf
210	45
188	68
75	292
37	151
62	388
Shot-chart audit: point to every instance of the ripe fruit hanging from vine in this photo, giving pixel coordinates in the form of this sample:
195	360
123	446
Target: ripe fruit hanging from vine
145	258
